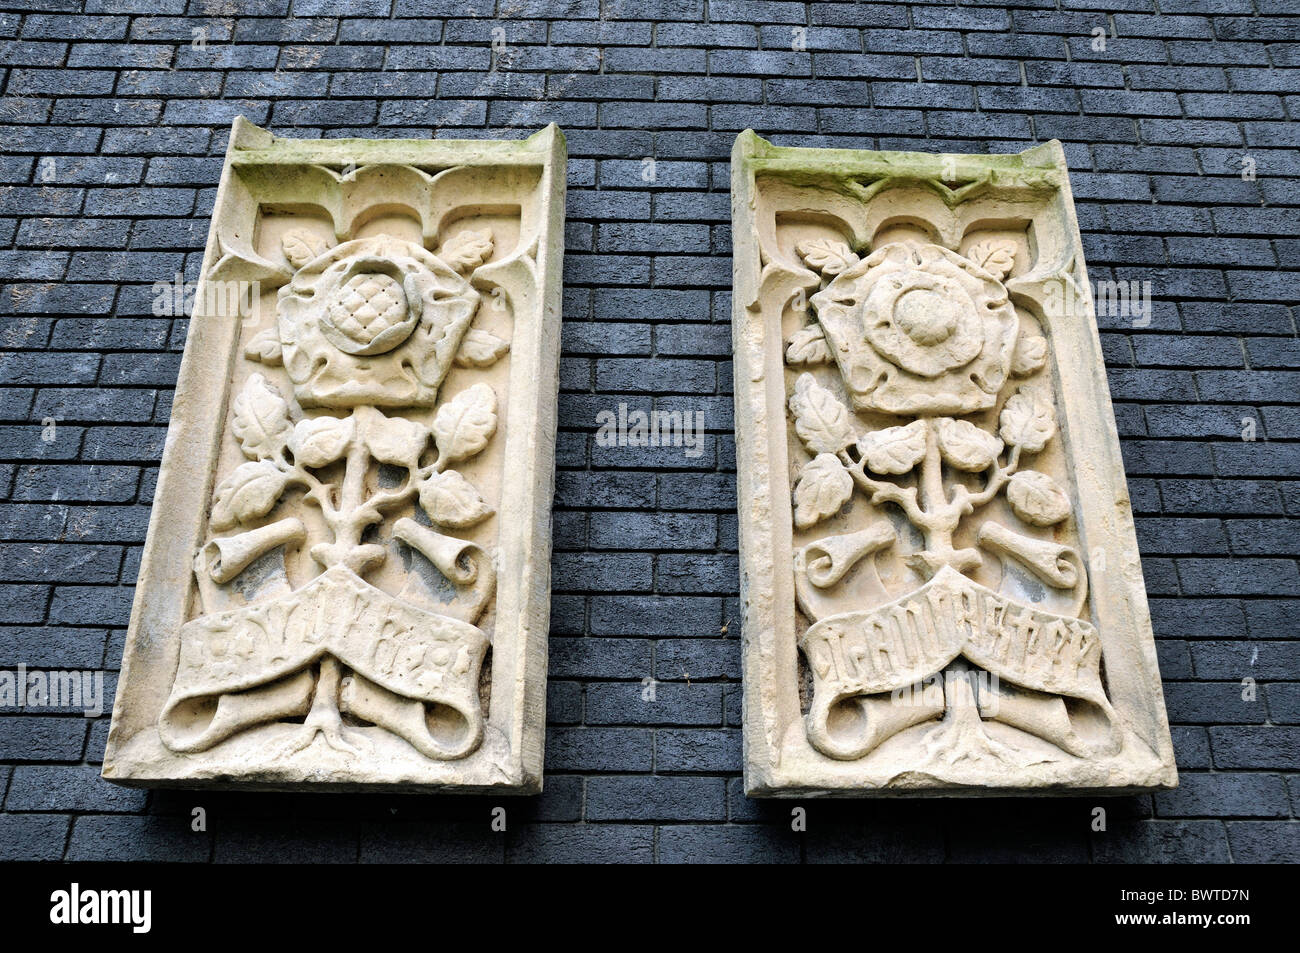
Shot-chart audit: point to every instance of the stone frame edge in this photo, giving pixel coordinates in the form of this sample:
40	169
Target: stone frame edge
194	423
765	645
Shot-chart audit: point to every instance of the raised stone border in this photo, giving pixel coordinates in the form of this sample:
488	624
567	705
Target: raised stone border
404	269
899	312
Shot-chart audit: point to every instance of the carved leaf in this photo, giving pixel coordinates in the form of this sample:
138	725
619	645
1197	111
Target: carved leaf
808	346
1030	355
1027	421
464	425
894	449
965	446
827	255
480	349
260	420
822	421
997	256
249	492
452	501
467	250
321	440
301	246
823	487
265	347
396	441
1037	499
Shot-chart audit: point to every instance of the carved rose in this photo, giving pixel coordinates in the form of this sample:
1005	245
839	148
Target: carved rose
370	314
373	321
917	329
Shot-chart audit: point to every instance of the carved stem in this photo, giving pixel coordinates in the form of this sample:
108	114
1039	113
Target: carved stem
372	511
927	505
933	498
941	514
999	478
357	463
881	491
318	493
324	713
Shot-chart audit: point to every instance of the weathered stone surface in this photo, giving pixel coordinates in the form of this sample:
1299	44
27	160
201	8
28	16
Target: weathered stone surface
346	578
940	576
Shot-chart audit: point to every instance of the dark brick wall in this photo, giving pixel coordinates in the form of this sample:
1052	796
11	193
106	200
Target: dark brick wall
117	125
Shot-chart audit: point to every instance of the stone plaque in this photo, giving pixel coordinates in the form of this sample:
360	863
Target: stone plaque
346	577
941	584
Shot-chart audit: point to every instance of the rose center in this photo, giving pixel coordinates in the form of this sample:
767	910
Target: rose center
925	316
368	315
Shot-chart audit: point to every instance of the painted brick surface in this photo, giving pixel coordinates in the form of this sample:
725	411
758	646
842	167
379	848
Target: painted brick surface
1178	120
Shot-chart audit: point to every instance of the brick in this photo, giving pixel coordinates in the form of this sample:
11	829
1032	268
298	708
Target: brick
1162	842
296	841
42	737
629	703
1180	536
76	483
582	844
59	788
23	604
1254	386
52	647
652	531
411	842
599	749
697	659
655	615
599	658
1283	703
651	798
706	751
730	844
628	572
1264	842
1254	748
92	605
1260	537
1240	576
32	836
1227	317
1257	460
100	837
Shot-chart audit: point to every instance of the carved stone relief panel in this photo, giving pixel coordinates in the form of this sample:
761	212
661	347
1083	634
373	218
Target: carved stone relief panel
941	583
346	578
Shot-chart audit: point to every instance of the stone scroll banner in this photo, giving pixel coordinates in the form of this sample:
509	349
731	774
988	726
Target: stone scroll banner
346	578
939	571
